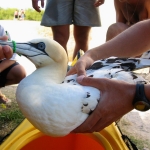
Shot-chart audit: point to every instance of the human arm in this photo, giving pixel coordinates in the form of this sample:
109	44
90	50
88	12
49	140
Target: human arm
132	42
35	5
115	101
98	3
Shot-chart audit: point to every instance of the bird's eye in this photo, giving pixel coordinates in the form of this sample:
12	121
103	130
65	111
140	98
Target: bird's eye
41	46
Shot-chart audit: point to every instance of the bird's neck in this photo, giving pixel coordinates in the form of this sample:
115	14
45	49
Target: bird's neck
53	73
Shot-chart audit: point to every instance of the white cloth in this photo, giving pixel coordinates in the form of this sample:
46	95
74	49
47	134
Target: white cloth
2	31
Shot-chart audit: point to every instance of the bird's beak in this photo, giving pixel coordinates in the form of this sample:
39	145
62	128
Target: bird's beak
27	49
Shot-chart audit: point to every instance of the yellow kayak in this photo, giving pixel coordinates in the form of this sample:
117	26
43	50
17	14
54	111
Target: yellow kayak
27	137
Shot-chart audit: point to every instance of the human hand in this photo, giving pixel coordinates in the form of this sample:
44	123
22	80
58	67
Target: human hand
115	101
4	38
5	51
99	2
35	5
83	63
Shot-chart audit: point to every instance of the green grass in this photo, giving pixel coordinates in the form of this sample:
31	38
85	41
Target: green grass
10	117
13	114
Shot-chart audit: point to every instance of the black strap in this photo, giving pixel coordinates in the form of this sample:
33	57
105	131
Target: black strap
141	97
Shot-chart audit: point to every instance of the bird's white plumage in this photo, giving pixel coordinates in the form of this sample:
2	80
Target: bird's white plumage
56	104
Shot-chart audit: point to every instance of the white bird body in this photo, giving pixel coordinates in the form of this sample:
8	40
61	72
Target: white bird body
56	104
51	111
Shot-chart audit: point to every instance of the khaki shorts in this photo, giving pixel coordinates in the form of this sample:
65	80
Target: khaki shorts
77	12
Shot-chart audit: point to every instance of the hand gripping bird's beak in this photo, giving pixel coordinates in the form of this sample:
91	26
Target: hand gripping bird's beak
27	49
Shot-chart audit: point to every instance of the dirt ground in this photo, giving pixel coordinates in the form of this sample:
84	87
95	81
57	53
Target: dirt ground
136	125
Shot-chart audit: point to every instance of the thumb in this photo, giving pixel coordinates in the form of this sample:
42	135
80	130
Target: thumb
4	38
88	81
7	52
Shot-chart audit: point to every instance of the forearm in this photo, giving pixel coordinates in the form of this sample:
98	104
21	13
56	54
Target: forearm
132	42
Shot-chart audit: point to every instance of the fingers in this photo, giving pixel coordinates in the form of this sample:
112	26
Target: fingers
86	81
5	52
82	64
4	38
35	5
72	71
1	53
89	81
79	68
99	2
89	123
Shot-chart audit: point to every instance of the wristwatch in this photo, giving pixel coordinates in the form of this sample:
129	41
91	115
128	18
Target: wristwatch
140	101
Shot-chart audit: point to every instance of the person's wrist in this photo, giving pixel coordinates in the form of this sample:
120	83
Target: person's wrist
147	91
129	93
141	101
132	91
88	59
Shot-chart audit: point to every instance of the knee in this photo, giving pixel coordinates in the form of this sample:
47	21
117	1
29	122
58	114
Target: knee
21	74
115	29
18	73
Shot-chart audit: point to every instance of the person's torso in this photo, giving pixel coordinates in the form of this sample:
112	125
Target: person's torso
137	12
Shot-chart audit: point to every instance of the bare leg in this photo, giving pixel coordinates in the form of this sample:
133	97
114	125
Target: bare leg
81	36
5	64
61	35
15	75
115	29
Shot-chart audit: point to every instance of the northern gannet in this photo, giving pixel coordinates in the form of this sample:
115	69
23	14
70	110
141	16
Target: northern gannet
56	104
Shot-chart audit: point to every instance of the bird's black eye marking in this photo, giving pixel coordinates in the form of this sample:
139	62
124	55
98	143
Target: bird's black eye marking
41	46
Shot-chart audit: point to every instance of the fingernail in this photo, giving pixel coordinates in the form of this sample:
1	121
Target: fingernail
80	78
